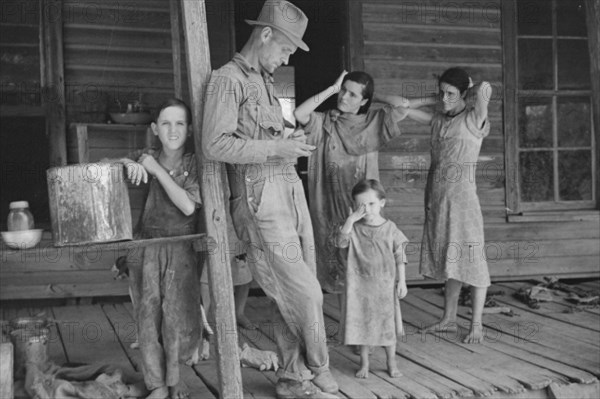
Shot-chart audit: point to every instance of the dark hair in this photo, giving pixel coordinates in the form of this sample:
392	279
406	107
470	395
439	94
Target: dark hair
174	102
366	185
366	80
456	77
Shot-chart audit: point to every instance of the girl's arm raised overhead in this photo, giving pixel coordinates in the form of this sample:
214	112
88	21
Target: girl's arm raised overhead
303	111
482	93
399	101
420	116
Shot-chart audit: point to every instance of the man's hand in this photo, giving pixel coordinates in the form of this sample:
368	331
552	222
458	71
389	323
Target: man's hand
292	149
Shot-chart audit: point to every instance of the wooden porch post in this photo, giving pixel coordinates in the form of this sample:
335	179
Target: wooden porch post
53	79
219	276
592	13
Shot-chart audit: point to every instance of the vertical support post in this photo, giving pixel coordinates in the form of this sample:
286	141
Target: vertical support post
53	79
219	276
592	12
176	47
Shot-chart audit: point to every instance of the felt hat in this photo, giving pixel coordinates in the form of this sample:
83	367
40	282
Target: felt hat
286	18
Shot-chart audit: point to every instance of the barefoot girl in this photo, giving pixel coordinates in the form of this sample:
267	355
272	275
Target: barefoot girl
165	281
375	276
453	242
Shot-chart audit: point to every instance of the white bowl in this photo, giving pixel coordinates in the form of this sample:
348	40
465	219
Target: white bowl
22	239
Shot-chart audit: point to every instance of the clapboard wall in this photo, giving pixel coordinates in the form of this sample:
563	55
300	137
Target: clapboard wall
405	45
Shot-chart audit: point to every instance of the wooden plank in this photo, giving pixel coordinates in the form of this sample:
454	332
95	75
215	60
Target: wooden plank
500	343
516	373
579	391
89	337
175	24
83	155
53	81
6	370
353	24
527	335
456	36
82	35
391	69
451	14
219	271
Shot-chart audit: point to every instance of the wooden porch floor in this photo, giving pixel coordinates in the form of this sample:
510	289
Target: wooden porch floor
552	351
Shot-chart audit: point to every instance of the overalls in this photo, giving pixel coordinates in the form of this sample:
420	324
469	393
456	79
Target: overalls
270	215
166	286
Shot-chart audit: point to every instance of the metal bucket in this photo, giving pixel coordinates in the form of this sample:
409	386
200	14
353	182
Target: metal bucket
89	203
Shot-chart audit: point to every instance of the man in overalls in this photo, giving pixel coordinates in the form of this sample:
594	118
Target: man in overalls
244	126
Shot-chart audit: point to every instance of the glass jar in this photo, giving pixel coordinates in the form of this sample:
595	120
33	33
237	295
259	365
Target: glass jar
19	216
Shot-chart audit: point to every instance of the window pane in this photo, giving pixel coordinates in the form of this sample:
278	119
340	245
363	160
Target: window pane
570	18
535	64
575	175
535	123
573	64
534	17
574	127
537	176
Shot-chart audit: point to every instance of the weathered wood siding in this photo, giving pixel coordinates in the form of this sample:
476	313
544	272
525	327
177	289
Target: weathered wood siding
405	45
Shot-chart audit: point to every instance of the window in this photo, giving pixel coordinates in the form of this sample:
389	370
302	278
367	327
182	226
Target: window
551	150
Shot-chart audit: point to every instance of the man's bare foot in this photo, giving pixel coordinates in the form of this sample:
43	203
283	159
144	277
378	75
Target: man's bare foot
393	371
475	336
179	391
363	372
159	393
244	322
441	326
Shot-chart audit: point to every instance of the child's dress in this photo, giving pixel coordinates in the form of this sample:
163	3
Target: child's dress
346	153
371	308
165	283
453	241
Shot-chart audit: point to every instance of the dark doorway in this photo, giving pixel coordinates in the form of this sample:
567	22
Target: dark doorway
24	154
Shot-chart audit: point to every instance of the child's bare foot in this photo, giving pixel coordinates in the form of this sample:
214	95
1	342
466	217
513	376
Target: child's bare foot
475	336
441	326
135	345
205	351
244	322
179	391
159	393
363	372
393	371
194	359
136	390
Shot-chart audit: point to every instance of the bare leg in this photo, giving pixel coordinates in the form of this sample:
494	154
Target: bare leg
363	372
448	321
390	352
159	393
475	335
240	295
179	391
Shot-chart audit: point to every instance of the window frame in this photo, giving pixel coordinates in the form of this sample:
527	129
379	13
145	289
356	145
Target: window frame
515	206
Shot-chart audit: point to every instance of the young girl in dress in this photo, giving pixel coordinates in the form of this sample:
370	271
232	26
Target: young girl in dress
375	276
164	280
347	140
452	211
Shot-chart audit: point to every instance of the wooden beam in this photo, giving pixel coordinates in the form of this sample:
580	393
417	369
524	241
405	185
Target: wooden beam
592	12
355	41
176	47
509	65
53	79
219	270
